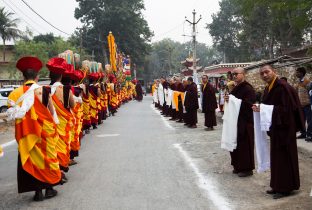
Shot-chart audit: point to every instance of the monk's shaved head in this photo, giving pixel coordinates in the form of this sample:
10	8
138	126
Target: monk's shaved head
239	70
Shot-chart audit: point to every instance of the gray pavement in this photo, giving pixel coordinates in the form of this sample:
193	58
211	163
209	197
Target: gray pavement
141	160
127	163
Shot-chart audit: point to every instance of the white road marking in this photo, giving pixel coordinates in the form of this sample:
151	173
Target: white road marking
204	182
167	124
311	192
107	135
8	143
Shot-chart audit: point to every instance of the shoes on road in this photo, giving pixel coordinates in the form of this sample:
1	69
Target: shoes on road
72	162
301	136
245	174
38	196
234	171
50	193
308	139
209	129
280	195
192	126
271	192
179	121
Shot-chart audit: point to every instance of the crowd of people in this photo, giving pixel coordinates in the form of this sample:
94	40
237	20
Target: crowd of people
51	120
249	119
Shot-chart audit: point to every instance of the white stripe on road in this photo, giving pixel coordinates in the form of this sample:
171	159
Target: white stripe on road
8	144
311	192
167	124
107	135
204	183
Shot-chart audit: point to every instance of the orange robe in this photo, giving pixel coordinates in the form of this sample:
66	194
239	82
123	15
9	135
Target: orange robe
86	111
93	108
77	113
36	136
64	130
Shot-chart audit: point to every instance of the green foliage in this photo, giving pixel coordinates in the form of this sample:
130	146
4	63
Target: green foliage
123	18
44	51
246	30
47	38
8	27
167	55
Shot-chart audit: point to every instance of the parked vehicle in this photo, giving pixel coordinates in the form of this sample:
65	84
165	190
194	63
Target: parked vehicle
4	93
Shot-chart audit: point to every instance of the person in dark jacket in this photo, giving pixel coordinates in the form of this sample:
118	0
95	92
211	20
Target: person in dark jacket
209	103
191	103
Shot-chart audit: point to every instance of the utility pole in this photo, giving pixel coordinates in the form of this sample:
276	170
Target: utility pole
80	48
194	23
170	52
134	71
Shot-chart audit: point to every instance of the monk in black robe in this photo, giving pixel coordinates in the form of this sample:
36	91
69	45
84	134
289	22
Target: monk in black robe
287	119
191	103
209	103
139	92
242	158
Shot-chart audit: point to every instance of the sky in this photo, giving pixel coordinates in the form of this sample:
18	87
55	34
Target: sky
166	18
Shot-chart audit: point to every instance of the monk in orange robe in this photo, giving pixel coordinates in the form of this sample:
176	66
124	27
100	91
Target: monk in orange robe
94	94
63	101
35	132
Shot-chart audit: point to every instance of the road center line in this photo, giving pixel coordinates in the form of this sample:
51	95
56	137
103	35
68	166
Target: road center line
167	124
204	182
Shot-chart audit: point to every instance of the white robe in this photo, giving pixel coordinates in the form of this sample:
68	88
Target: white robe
262	145
161	94
230	118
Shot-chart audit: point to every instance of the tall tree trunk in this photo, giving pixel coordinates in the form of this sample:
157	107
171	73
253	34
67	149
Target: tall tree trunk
3	49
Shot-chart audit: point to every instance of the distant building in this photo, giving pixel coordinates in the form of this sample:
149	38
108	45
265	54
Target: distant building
214	72
188	67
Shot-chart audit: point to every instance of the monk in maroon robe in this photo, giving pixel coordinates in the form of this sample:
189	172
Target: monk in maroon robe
209	103
242	158
191	103
287	119
139	92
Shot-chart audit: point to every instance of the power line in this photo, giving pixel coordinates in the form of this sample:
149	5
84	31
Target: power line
27	16
21	17
44	18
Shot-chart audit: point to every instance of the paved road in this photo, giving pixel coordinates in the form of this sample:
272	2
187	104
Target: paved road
130	162
140	160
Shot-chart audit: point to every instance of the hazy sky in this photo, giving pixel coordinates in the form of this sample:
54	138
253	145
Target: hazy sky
165	17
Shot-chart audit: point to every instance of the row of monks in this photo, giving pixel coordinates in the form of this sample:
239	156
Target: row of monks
177	98
281	117
51	120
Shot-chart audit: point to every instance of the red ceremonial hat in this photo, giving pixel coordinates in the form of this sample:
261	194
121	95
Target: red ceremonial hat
94	76
25	63
77	75
56	65
69	70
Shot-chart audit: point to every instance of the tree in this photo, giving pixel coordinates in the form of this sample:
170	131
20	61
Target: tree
8	28
123	18
47	38
247	30
225	28
166	56
44	51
